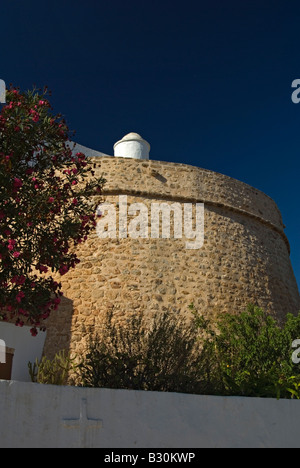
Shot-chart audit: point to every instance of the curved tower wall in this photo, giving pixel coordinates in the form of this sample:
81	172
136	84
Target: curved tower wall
244	257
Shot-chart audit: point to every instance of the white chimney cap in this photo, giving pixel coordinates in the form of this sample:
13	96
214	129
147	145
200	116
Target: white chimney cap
132	145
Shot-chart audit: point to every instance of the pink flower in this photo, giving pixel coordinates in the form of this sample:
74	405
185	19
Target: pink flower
19	280
11	244
63	270
23	312
56	303
20	296
16	254
35	115
50	200
17	183
33	331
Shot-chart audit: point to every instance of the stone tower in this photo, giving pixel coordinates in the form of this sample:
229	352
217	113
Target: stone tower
244	257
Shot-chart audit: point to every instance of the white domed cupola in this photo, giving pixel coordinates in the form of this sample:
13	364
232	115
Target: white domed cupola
133	146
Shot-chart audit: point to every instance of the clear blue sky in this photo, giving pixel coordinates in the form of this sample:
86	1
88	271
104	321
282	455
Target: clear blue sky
207	83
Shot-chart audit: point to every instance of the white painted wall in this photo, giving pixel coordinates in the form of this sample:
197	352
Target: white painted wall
27	348
90	153
34	415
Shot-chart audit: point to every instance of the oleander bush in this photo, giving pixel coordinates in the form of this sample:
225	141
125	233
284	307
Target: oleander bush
46	208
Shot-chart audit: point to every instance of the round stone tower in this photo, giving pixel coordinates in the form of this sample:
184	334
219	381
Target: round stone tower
241	257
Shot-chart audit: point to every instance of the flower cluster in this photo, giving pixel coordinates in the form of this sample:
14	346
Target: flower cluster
45	208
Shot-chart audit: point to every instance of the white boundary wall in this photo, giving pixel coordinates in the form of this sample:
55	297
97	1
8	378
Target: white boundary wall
27	349
34	415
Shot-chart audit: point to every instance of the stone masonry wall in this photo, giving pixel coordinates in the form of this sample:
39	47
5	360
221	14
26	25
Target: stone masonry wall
244	258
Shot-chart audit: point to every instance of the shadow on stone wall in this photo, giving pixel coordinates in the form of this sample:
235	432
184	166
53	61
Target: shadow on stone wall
59	329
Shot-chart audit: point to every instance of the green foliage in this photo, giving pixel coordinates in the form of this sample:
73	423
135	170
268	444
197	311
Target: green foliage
249	354
46	208
55	371
252	355
161	357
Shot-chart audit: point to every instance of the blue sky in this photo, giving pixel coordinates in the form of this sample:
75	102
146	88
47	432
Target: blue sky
207	83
